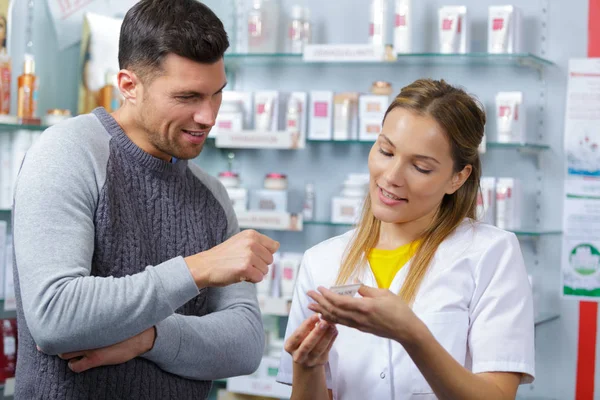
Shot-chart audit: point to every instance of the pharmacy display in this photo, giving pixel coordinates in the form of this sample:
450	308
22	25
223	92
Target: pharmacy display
581	221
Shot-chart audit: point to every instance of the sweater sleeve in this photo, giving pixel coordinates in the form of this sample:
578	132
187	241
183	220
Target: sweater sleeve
229	340
65	308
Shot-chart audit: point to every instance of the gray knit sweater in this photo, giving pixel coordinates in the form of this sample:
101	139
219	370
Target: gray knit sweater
100	232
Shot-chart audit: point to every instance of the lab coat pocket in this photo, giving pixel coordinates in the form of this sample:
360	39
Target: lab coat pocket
450	329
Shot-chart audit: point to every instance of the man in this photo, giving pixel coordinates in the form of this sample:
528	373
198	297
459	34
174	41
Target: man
129	266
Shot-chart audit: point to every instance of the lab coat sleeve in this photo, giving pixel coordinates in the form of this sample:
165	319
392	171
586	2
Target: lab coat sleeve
299	312
501	333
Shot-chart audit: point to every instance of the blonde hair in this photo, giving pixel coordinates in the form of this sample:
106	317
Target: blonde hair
462	120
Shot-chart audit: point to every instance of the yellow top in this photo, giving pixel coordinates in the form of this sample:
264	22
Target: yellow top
385	264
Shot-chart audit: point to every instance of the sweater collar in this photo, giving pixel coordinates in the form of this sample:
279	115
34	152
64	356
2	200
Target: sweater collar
134	151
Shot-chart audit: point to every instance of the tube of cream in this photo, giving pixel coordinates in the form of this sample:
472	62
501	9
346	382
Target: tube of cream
403	27
450	29
500	29
510	117
265	107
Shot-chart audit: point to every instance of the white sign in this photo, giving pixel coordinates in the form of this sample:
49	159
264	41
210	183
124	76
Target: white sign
581	220
343	53
277	221
259	140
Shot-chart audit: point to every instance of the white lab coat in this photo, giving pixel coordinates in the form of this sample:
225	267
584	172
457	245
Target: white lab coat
475	299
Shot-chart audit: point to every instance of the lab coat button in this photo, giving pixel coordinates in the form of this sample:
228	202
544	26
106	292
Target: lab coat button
382	375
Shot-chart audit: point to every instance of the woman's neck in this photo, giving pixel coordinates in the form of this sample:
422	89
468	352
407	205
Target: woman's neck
393	235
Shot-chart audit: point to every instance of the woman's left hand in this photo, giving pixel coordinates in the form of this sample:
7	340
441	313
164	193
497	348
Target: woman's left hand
379	312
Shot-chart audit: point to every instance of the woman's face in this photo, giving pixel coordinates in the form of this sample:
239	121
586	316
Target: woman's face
411	168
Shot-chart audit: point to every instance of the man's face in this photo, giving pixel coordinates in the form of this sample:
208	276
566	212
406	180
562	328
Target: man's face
178	108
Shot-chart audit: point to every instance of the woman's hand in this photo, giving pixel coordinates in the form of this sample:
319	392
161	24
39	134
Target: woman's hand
309	345
379	312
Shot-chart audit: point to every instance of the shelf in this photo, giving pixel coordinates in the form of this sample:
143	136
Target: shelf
16	127
518	232
493	145
517	60
275	306
542	318
262	387
270	220
258	140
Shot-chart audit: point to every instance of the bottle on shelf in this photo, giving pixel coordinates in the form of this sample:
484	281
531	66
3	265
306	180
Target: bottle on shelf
27	90
308	211
110	97
307	30
296	30
10	348
5	82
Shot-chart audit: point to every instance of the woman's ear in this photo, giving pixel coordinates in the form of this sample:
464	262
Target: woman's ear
459	178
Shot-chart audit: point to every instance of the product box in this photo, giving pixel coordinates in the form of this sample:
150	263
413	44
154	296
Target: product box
241	119
508	203
239	198
373	106
290	266
99	55
345	210
369	129
345	118
486	201
268	200
505	30
454	30
321	115
511	117
266	111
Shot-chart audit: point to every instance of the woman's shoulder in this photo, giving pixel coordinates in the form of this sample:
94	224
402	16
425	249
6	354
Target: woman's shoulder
476	237
331	248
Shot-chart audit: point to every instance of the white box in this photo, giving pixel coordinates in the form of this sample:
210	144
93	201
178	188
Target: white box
346	210
239	198
508	203
266	110
505	27
345	116
321	115
369	129
245	101
268	200
486	201
373	106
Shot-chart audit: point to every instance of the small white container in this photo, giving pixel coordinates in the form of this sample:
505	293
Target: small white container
403	27
346	210
510	117
229	179
369	129
378	23
508	203
486	201
275	181
229	119
290	265
268	200
504	29
453	29
308	211
239	198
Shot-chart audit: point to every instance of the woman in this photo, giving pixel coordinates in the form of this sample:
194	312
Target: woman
445	310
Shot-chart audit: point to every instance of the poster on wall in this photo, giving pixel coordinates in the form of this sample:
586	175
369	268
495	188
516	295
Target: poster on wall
581	220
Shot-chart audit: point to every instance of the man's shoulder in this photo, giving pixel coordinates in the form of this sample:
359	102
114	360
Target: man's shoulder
83	130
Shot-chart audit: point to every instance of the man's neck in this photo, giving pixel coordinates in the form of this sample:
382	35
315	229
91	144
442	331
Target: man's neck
137	134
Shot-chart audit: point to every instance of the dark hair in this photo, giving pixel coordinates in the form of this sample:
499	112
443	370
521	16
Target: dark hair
152	29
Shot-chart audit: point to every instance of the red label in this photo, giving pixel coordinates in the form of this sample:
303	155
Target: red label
321	109
447	24
400	20
371	29
252	27
261	108
459	27
504	111
291	123
288	274
225	124
497	24
479	199
516	112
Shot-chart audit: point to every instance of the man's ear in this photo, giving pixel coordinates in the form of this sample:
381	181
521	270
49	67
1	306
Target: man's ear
129	85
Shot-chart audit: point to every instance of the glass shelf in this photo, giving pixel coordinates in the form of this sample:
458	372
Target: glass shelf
546	317
518	59
491	145
518	232
16	127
